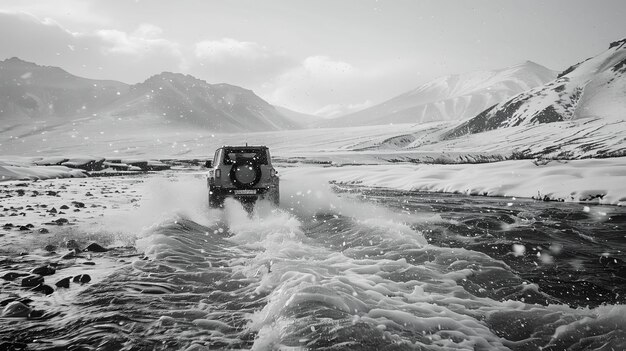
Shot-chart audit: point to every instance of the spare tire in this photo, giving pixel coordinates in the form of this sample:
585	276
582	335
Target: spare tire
245	174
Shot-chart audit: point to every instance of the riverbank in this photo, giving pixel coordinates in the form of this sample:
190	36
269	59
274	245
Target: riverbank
598	181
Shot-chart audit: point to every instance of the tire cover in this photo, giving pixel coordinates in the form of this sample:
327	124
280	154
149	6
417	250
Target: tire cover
245	174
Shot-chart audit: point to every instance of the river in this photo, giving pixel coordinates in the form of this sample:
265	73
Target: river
377	270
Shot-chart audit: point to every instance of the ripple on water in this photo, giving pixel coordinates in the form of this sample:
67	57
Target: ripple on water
332	281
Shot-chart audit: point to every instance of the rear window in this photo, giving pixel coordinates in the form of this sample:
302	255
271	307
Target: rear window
259	156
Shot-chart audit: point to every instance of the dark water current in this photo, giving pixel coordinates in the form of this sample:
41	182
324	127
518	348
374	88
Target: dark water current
380	270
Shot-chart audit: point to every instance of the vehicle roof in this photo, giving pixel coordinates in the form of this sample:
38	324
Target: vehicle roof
244	147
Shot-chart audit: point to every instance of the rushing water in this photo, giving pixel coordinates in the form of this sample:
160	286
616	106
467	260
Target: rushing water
366	269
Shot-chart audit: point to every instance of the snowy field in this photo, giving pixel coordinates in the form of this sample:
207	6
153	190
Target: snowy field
394	156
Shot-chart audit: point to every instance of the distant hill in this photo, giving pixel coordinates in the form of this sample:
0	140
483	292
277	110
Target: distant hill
594	89
184	99
302	119
30	93
453	97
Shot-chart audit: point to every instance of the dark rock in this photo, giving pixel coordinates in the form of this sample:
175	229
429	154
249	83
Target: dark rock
24	228
51	193
36	314
29	226
50	247
82	279
78	204
8	225
16	309
93	247
89	263
61	221
44	289
43	231
13	275
68	256
64	207
52	210
8	301
85	164
32	281
44	270
63	283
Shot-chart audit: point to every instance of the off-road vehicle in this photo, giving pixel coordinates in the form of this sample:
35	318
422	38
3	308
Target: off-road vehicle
242	172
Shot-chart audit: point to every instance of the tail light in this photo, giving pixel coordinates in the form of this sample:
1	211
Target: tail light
218	173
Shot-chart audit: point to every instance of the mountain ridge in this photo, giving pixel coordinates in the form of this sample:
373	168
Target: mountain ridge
30	92
452	97
593	88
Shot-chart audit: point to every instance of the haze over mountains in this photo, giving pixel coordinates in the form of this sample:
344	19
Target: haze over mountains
453	97
29	92
526	110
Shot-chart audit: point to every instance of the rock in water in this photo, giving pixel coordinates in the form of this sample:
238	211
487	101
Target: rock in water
82	279
43	288
35	314
63	283
61	221
93	247
16	309
68	256
44	270
13	275
32	281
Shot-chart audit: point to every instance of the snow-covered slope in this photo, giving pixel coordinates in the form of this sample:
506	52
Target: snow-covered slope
29	91
593	91
454	97
182	98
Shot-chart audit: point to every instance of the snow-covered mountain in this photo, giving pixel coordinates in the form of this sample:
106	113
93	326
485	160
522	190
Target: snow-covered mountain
454	97
184	99
594	90
30	93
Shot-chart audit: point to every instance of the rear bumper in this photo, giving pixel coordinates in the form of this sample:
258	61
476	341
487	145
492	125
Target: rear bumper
243	193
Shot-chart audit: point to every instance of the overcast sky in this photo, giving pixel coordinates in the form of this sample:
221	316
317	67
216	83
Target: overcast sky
317	56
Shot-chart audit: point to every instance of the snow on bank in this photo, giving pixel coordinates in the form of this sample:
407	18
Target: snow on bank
600	181
19	170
